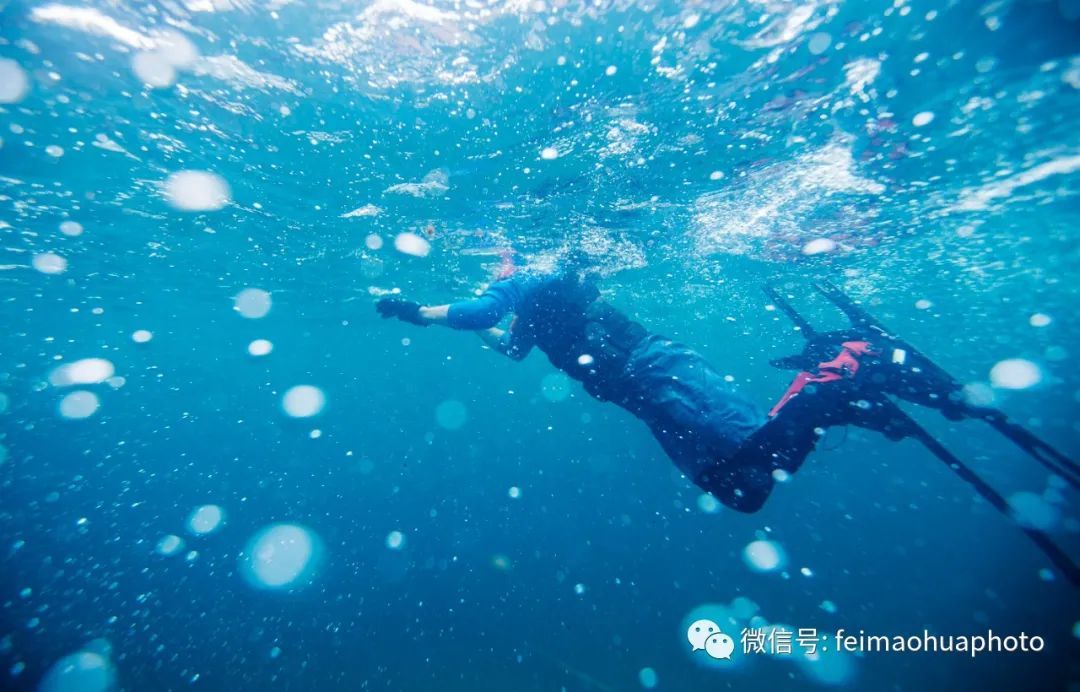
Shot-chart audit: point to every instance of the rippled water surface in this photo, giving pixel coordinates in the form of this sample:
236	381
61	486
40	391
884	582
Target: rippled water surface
220	470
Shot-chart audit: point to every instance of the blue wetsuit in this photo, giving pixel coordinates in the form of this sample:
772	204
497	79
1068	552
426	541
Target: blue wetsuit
694	414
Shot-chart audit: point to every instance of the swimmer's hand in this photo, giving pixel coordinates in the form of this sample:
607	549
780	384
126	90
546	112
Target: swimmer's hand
399	308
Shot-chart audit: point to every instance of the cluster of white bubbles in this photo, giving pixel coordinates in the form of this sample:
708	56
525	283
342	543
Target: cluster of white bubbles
922	119
281	556
764	556
14	84
1015	373
205	519
49	263
157	68
84	371
153	69
87	670
979	394
1033	510
451	414
366	210
555	387
395	540
648	678
71	228
79	404
253	303
260	347
819	246
303	401
819	43
412	244
196	191
708	504
170	544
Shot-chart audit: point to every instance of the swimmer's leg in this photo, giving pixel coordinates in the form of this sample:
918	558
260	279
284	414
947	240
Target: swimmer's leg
744	480
717	438
816	400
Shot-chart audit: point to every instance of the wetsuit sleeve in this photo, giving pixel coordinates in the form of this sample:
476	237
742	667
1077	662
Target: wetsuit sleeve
487	310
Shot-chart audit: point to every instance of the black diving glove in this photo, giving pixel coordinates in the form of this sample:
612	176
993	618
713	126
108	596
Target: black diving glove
399	308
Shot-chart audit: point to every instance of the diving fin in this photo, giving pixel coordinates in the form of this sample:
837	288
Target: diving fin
909	428
898	368
919	380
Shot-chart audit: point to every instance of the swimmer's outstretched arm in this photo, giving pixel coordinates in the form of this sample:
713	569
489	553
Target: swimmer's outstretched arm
479	315
467	315
499	340
483	312
435	314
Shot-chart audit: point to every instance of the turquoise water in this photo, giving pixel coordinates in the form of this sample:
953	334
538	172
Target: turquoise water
423	514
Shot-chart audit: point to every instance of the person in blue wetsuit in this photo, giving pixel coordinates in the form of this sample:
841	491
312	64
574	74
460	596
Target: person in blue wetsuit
718	438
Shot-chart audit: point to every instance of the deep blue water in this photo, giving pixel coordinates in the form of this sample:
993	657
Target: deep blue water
465	522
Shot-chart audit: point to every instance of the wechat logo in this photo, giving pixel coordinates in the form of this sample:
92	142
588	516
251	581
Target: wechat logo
705	635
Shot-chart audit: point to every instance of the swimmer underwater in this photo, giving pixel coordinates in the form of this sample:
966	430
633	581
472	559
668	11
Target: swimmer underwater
719	439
